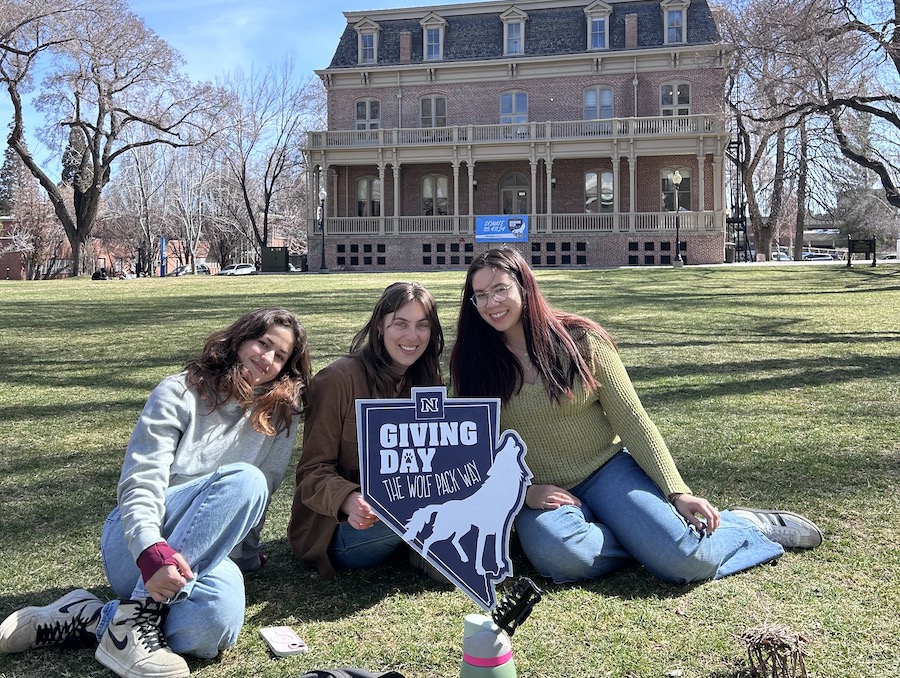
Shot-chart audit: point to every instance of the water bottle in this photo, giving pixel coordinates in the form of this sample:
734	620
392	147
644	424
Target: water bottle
487	651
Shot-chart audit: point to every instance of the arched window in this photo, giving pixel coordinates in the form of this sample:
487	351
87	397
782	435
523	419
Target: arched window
669	198
434	195
513	107
368	197
675	98
368	114
514	194
434	111
598	103
599	192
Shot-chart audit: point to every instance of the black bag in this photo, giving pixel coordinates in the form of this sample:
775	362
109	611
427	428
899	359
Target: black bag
349	673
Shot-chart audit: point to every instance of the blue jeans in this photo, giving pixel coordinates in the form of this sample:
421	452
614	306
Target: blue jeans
204	520
353	549
624	517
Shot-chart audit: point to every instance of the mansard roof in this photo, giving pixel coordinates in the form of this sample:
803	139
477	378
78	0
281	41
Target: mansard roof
478	34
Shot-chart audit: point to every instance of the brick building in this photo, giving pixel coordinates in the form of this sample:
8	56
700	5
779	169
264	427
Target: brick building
575	113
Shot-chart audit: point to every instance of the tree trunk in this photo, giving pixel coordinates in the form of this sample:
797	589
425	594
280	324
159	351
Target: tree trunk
802	172
777	183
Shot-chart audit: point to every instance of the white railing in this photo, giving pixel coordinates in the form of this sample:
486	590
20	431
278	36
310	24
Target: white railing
441	225
622	222
550	131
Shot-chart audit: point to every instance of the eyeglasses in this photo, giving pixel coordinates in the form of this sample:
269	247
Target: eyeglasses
499	293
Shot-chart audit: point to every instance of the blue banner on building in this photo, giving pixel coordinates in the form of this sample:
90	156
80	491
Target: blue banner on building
502	228
437	471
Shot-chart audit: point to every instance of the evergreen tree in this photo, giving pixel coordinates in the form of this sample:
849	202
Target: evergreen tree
9	181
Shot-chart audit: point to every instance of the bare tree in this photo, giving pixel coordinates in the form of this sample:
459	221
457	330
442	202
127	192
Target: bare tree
138	196
842	61
107	73
261	146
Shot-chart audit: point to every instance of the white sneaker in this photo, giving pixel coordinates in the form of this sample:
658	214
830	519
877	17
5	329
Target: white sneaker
70	621
134	645
783	527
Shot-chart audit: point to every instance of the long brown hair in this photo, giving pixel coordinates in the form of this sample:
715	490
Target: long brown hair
368	345
217	374
480	363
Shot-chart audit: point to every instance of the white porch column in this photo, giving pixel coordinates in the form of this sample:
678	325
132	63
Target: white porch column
455	165
632	191
382	171
617	197
548	167
396	228
701	185
533	164
470	167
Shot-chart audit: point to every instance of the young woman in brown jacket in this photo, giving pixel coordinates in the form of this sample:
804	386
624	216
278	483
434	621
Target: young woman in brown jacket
332	527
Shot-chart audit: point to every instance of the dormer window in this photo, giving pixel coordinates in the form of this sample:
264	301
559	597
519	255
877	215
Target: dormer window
433	28
597	15
675	16
367	32
513	31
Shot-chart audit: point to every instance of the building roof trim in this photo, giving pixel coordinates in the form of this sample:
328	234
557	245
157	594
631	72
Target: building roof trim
366	24
433	20
487	7
514	14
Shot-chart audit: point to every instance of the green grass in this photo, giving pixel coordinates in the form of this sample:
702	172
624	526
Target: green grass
775	386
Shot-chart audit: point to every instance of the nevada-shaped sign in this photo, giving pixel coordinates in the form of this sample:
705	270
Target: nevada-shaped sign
437	471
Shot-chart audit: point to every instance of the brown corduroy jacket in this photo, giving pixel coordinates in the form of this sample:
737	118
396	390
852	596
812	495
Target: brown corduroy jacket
328	469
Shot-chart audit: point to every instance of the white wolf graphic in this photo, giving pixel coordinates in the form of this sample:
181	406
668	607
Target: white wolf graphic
486	509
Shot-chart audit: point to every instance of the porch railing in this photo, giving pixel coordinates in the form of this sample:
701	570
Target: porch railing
622	222
528	131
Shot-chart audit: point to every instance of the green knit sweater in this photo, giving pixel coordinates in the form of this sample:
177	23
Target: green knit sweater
569	441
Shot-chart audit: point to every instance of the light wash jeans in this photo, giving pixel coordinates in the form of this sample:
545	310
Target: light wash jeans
624	517
353	549
205	519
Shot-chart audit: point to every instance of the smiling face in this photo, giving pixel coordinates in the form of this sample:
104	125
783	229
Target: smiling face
262	358
504	316
406	334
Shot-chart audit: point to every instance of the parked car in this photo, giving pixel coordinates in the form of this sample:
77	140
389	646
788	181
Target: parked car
778	255
816	256
238	269
185	269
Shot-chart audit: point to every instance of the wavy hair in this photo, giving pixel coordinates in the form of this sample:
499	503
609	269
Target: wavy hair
368	344
217	373
482	366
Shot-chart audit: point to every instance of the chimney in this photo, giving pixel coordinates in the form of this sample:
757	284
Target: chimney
631	31
405	47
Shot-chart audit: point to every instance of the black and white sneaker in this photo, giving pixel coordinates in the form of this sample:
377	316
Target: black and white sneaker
783	527
70	621
134	645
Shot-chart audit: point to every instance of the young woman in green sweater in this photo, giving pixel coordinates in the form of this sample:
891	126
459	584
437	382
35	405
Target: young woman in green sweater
606	490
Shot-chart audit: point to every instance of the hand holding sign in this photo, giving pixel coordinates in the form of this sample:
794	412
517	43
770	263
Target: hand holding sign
359	513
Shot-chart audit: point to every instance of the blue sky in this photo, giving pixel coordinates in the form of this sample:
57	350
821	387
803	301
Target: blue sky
218	36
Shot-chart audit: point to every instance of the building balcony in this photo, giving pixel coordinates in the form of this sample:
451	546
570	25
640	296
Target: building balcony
539	224
654	130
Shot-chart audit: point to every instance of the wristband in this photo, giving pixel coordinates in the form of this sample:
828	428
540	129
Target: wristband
154	557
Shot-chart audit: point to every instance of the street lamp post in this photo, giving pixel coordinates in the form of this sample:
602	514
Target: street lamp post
677	262
321	215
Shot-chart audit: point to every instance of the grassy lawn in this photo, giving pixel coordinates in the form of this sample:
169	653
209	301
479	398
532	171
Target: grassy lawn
774	386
